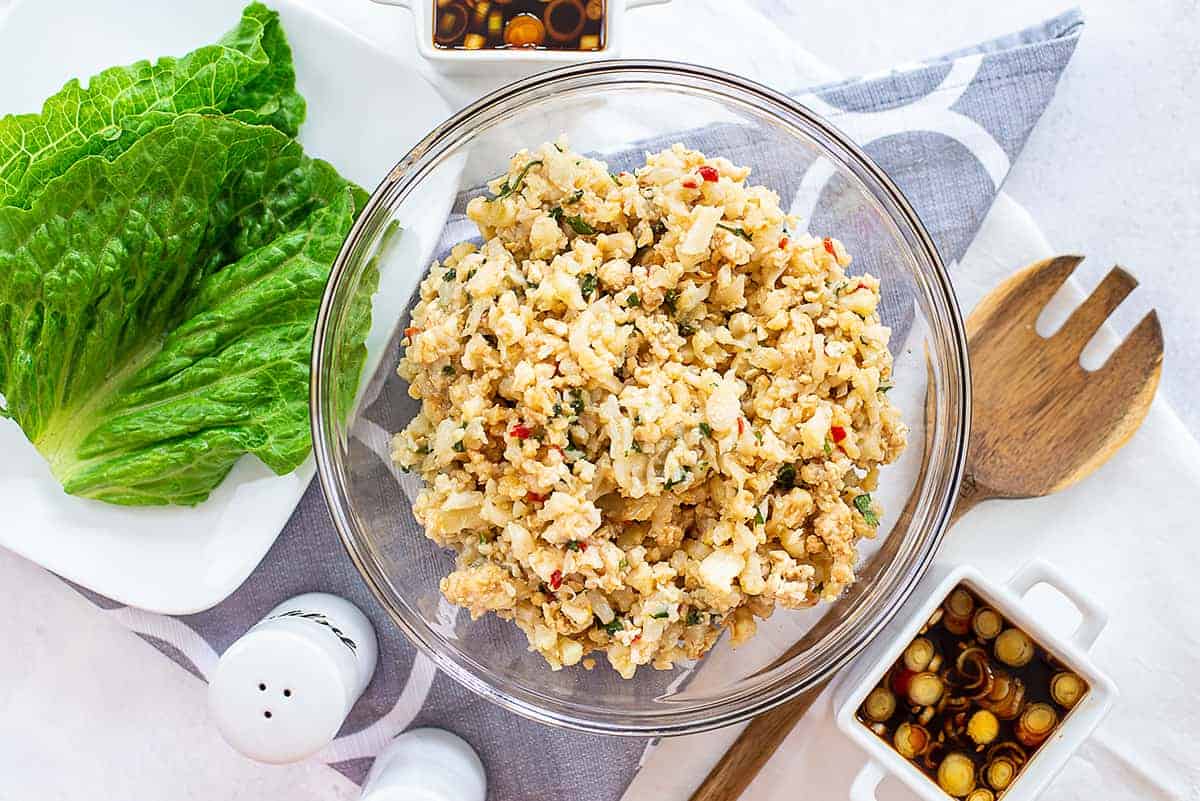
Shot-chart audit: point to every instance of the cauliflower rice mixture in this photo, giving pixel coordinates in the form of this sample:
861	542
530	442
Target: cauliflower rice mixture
649	411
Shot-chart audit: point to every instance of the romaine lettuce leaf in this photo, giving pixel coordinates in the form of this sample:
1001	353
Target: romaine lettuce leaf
248	74
156	310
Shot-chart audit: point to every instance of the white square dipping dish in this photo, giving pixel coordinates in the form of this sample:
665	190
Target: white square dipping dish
1006	598
491	61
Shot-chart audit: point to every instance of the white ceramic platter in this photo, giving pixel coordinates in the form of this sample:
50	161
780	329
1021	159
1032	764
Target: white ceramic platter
366	108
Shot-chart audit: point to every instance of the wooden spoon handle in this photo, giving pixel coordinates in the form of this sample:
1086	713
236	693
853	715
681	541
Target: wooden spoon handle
730	777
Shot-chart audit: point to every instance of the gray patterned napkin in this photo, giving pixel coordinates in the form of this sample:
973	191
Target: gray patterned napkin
946	131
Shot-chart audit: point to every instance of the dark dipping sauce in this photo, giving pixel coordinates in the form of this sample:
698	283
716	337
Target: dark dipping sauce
519	24
971	699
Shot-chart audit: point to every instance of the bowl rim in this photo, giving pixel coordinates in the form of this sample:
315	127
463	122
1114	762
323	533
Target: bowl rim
654	724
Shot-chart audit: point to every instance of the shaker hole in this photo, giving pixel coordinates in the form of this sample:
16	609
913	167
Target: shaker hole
267	714
262	688
287	693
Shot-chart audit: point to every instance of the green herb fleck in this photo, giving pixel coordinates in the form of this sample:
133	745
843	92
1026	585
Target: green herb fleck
828	447
758	517
459	447
679	479
483	540
577	401
572	546
556	213
632	300
587	285
576	196
579	225
786	477
739	231
613	627
863	504
686	329
661	615
623	564
557	410
423	450
758	436
450	274
448	369
671	299
883	389
471	274
693	618
508	188
615	179
706	429
635	447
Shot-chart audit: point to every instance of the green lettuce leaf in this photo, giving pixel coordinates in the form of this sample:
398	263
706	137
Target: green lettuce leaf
247	74
156	310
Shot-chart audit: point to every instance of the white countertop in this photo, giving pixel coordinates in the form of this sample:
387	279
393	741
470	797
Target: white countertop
90	711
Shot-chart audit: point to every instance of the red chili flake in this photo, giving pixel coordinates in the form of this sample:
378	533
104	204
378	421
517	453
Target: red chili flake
900	681
741	426
582	545
709	174
861	285
838	432
783	243
535	497
556	579
637	638
690	183
411	331
829	247
520	431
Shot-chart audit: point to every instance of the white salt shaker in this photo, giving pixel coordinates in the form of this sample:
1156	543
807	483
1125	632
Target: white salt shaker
426	765
282	691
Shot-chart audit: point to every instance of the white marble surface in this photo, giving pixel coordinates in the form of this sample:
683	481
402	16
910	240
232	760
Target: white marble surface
1112	171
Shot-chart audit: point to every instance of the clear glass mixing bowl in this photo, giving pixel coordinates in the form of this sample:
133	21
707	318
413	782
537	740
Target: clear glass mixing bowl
616	110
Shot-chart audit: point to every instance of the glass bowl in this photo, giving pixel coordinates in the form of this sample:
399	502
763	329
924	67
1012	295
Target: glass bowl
617	110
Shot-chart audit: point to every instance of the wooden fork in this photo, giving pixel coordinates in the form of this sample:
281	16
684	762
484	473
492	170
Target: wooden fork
1040	423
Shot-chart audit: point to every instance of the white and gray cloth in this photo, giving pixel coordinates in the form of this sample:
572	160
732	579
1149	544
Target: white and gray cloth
946	130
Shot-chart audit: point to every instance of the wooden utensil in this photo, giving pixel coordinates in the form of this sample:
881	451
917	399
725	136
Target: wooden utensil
1040	423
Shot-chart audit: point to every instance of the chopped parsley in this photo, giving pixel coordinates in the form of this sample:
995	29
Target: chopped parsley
579	225
661	615
623	564
483	540
786	477
572	546
738	231
450	274
459	447
577	401
758	517
706	429
615	179
693	618
448	369
508	188
670	299
587	285
686	329
758	436
613	627
557	410
883	388
828	447
682	477
632	300
471	274
556	213
863	504
576	197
